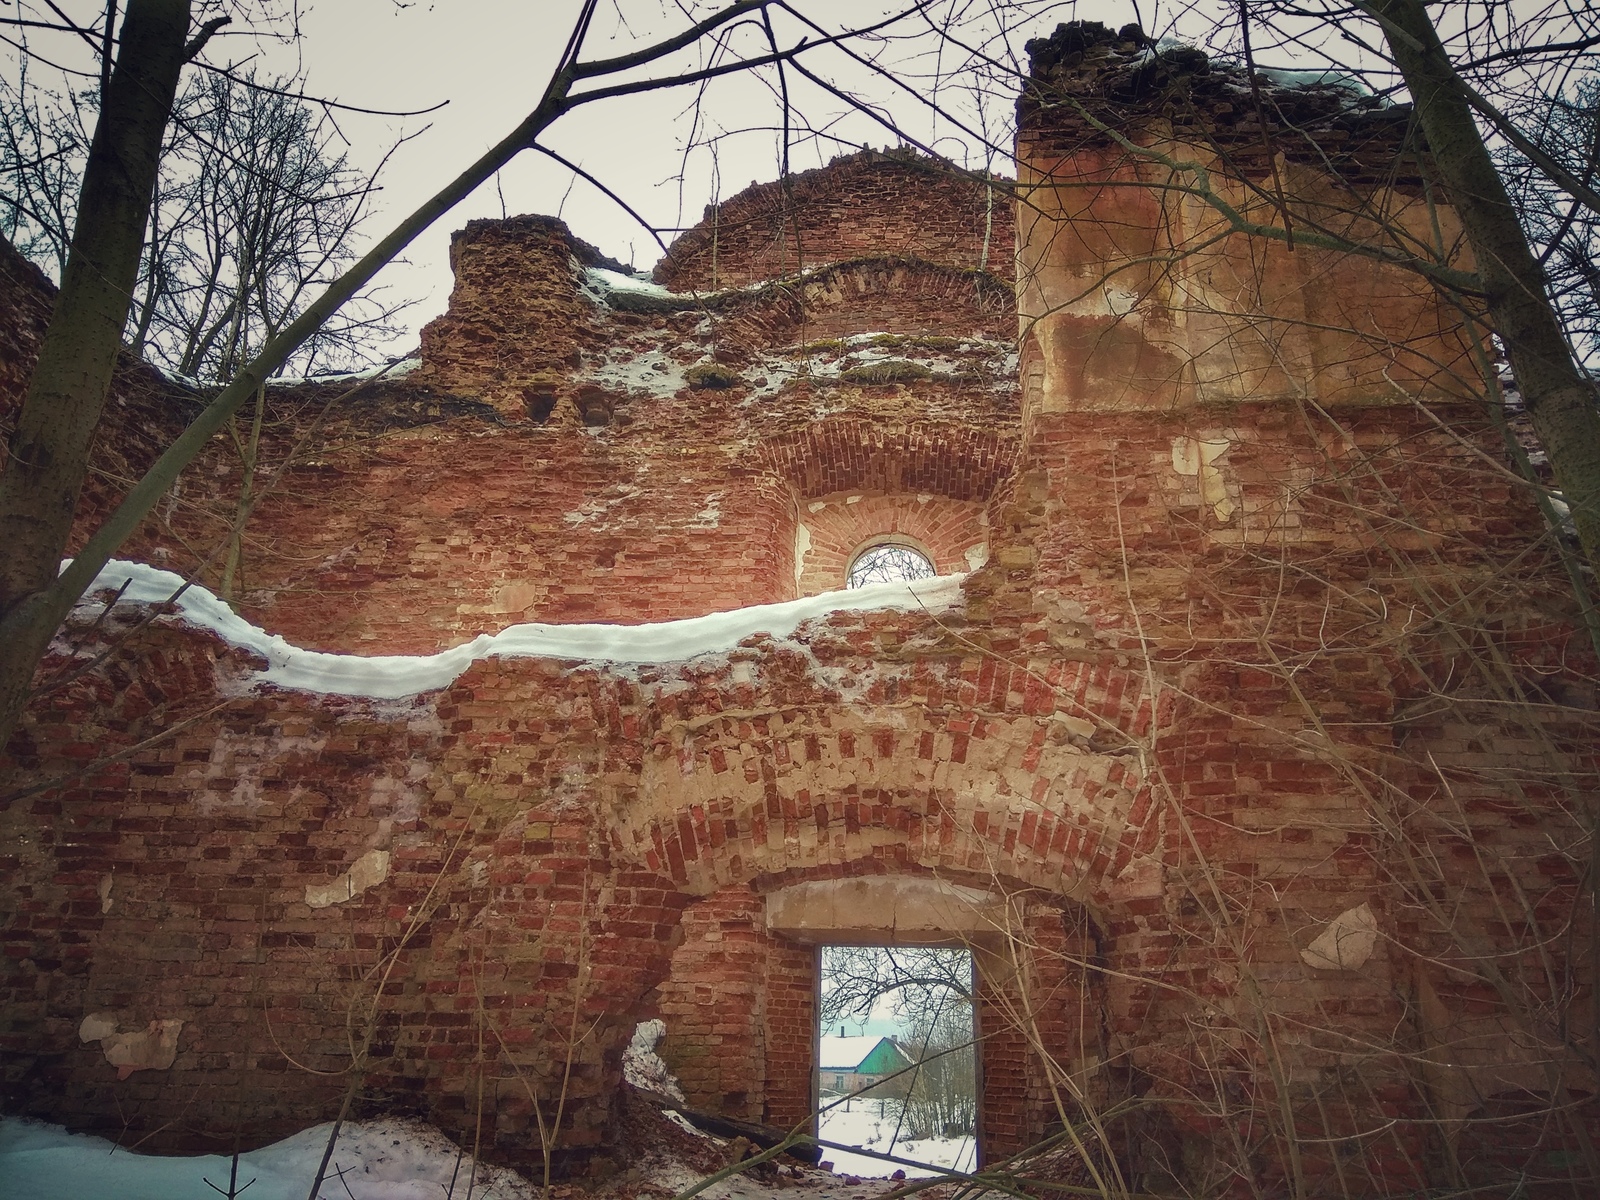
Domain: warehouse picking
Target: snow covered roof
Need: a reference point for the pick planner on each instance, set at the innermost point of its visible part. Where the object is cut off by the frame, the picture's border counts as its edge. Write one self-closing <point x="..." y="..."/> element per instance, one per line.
<point x="846" y="1053"/>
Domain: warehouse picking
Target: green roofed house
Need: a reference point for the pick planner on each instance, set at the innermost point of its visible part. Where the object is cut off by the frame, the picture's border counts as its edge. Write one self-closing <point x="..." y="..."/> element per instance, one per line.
<point x="847" y="1065"/>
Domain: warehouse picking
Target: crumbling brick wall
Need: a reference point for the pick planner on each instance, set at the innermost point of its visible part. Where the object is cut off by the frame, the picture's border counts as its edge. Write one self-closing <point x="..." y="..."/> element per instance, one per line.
<point x="1265" y="640"/>
<point x="863" y="205"/>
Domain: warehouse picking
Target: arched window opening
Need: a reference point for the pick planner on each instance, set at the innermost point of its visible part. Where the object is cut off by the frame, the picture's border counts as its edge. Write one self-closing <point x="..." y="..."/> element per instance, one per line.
<point x="888" y="562"/>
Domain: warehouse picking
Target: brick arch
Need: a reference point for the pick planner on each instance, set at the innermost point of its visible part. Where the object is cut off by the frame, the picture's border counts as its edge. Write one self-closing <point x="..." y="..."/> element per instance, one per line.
<point x="863" y="203"/>
<point x="857" y="454"/>
<point x="954" y="534"/>
<point x="868" y="295"/>
<point x="1019" y="796"/>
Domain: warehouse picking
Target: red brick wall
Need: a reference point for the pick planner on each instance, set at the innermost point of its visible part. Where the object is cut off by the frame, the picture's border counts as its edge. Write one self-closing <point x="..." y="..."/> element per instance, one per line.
<point x="143" y="412"/>
<point x="861" y="206"/>
<point x="940" y="457"/>
<point x="419" y="512"/>
<point x="1215" y="698"/>
<point x="592" y="808"/>
<point x="715" y="1005"/>
<point x="791" y="1034"/>
<point x="1004" y="1068"/>
<point x="906" y="296"/>
<point x="839" y="527"/>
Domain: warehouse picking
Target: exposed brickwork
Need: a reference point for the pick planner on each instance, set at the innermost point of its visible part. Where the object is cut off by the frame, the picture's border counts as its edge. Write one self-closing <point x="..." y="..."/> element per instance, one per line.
<point x="422" y="511"/>
<point x="142" y="414"/>
<point x="1258" y="642"/>
<point x="854" y="455"/>
<point x="715" y="1005"/>
<point x="861" y="205"/>
<point x="953" y="535"/>
<point x="791" y="1034"/>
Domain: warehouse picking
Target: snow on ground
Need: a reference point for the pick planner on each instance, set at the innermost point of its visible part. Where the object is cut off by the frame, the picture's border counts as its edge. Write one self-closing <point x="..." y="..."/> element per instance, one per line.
<point x="392" y="676"/>
<point x="379" y="1160"/>
<point x="869" y="1123"/>
<point x="643" y="1067"/>
<point x="392" y="1159"/>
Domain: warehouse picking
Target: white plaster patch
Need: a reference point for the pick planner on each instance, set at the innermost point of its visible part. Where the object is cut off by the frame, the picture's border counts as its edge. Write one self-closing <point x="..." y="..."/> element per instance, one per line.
<point x="802" y="547"/>
<point x="96" y="1026"/>
<point x="976" y="555"/>
<point x="597" y="510"/>
<point x="153" y="1048"/>
<point x="1346" y="943"/>
<point x="1198" y="457"/>
<point x="1077" y="726"/>
<point x="710" y="516"/>
<point x="514" y="597"/>
<point x="233" y="771"/>
<point x="401" y="799"/>
<point x="371" y="869"/>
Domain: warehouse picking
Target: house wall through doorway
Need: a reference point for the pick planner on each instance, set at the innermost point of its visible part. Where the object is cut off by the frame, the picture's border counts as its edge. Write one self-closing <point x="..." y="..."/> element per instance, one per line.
<point x="741" y="1000"/>
<point x="897" y="1071"/>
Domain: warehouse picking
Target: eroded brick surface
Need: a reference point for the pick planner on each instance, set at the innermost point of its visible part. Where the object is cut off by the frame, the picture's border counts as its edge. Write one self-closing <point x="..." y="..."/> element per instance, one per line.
<point x="1243" y="652"/>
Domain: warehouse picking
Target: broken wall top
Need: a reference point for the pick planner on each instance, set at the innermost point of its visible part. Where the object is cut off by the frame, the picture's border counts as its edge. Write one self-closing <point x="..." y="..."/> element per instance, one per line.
<point x="1191" y="236"/>
<point x="864" y="205"/>
<point x="1087" y="84"/>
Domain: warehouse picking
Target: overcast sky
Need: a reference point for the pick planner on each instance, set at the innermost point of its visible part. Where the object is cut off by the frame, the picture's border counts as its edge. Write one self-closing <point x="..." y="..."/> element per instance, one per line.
<point x="490" y="60"/>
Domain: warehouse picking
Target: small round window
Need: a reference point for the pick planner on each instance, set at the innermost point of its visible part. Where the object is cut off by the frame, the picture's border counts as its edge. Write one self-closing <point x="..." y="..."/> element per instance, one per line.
<point x="888" y="563"/>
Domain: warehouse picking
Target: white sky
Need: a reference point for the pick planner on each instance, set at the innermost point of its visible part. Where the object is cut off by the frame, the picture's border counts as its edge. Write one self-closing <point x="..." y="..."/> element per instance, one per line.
<point x="490" y="60"/>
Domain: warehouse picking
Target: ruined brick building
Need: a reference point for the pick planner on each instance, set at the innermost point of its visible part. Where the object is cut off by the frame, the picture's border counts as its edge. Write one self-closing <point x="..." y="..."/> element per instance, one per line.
<point x="1246" y="735"/>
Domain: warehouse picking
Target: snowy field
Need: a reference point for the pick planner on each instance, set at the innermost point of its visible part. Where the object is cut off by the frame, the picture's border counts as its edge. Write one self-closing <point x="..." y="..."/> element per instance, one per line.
<point x="377" y="1160"/>
<point x="870" y="1124"/>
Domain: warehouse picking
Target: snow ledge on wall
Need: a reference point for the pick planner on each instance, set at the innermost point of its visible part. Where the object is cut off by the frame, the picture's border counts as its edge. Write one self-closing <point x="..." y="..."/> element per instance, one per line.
<point x="395" y="676"/>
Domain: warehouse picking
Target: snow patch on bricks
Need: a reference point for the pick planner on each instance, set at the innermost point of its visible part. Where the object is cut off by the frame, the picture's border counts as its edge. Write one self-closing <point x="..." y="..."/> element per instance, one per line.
<point x="395" y="676"/>
<point x="644" y="1068"/>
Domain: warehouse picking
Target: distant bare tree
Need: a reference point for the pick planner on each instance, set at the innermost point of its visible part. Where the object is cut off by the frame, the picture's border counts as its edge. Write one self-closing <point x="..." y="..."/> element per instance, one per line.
<point x="1565" y="233"/>
<point x="257" y="210"/>
<point x="915" y="980"/>
<point x="42" y="146"/>
<point x="942" y="1097"/>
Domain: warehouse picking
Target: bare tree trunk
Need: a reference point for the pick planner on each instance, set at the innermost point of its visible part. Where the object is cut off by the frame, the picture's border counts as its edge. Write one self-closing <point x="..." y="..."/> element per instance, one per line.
<point x="27" y="625"/>
<point x="249" y="454"/>
<point x="34" y="600"/>
<point x="1560" y="398"/>
<point x="50" y="449"/>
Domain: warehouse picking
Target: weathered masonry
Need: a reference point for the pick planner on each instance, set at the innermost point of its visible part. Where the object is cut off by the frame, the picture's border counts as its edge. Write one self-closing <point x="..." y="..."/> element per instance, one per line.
<point x="1248" y="738"/>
